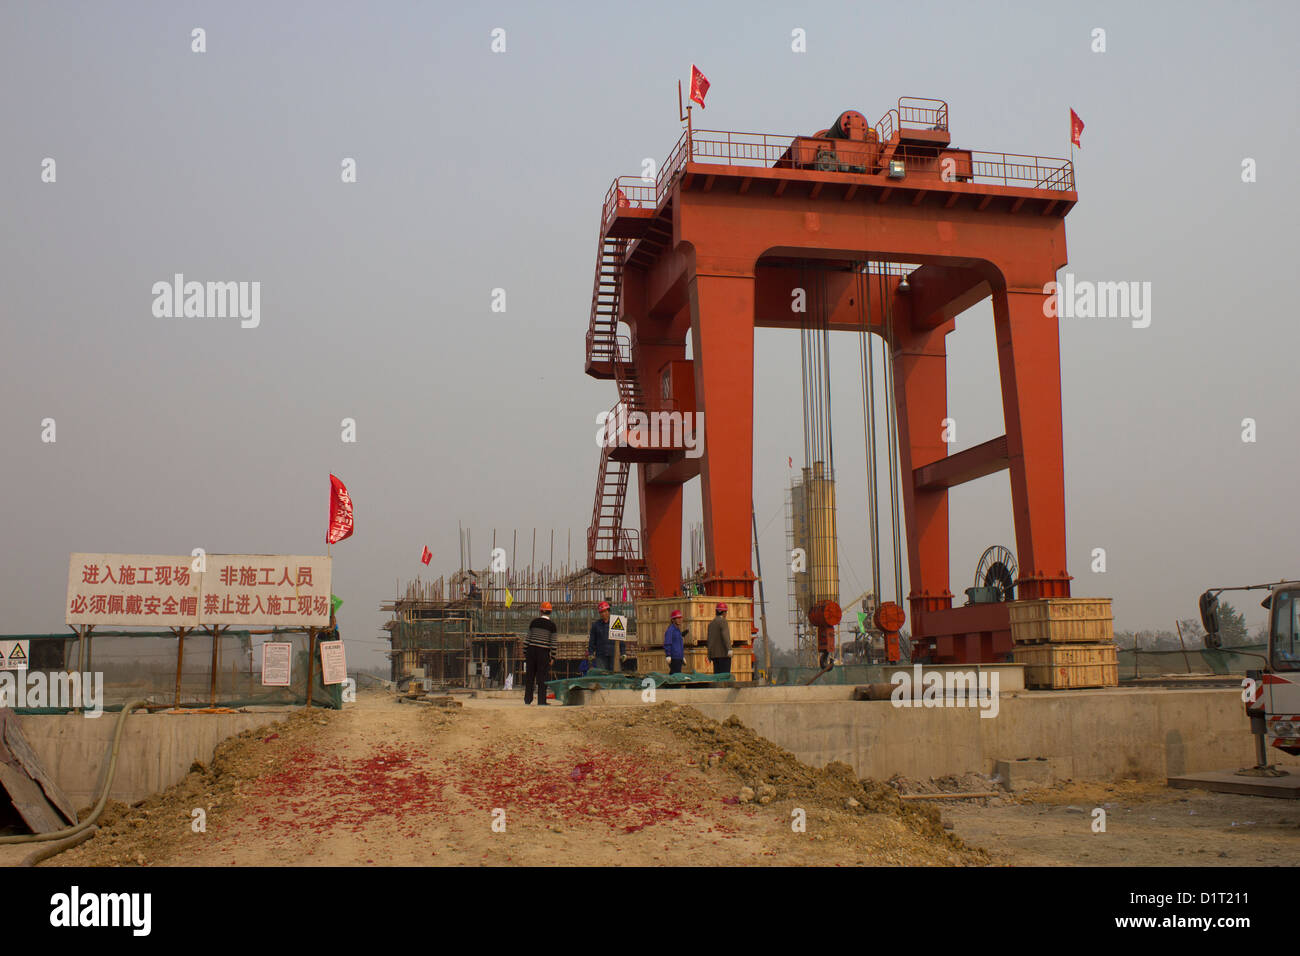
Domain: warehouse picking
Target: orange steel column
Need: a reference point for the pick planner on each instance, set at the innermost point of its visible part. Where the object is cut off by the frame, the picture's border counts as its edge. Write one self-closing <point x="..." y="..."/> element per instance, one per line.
<point x="1029" y="359"/>
<point x="722" y="330"/>
<point x="661" y="502"/>
<point x="661" y="523"/>
<point x="921" y="396"/>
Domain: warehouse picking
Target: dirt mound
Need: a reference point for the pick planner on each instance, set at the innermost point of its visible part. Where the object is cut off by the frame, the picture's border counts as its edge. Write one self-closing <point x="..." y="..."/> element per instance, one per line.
<point x="766" y="773"/>
<point x="133" y="836"/>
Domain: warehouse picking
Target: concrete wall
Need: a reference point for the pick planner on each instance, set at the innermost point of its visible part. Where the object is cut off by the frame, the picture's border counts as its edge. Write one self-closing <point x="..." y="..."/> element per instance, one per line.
<point x="156" y="750"/>
<point x="1148" y="733"/>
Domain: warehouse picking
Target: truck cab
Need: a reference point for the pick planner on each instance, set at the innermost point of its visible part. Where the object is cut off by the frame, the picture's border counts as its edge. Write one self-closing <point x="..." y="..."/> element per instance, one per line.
<point x="1272" y="692"/>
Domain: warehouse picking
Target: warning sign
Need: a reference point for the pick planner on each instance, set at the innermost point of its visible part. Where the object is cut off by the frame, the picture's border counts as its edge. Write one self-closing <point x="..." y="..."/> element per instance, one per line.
<point x="14" y="654"/>
<point x="618" y="628"/>
<point x="333" y="664"/>
<point x="275" y="664"/>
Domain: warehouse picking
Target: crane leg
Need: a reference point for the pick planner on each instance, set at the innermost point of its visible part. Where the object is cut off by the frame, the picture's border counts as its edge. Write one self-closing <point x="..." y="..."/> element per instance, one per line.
<point x="722" y="328"/>
<point x="1030" y="366"/>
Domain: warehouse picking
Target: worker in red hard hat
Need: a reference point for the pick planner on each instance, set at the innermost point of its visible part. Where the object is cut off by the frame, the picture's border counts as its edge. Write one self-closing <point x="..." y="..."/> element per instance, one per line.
<point x="539" y="653"/>
<point x="720" y="640"/>
<point x="600" y="649"/>
<point x="675" y="643"/>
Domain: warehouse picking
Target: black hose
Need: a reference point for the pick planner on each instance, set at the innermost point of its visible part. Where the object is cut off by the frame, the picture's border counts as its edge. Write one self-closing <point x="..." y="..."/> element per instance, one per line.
<point x="54" y="849"/>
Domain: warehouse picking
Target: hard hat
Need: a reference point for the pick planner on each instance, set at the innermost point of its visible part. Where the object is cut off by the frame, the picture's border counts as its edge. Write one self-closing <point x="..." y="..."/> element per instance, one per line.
<point x="720" y="607"/>
<point x="546" y="605"/>
<point x="675" y="614"/>
<point x="604" y="606"/>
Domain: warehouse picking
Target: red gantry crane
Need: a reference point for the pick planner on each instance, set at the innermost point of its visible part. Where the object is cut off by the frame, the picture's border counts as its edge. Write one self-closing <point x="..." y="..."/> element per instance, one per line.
<point x="733" y="225"/>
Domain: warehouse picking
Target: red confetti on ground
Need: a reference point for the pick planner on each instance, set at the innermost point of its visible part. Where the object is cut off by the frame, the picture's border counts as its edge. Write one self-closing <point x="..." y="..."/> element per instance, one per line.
<point x="316" y="792"/>
<point x="626" y="792"/>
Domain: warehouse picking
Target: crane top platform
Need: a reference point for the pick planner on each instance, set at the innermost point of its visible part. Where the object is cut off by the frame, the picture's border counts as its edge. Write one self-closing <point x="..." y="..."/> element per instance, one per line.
<point x="905" y="157"/>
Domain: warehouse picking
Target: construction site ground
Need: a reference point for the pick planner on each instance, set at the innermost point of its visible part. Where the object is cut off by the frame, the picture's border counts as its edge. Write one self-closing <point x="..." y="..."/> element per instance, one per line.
<point x="493" y="782"/>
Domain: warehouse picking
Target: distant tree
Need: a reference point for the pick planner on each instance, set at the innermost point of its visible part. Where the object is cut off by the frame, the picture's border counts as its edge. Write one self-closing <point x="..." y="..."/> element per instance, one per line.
<point x="1193" y="633"/>
<point x="784" y="657"/>
<point x="1232" y="626"/>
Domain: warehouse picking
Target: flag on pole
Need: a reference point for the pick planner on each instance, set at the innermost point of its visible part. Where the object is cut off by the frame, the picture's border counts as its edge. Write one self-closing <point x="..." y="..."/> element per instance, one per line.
<point x="699" y="85"/>
<point x="1076" y="129"/>
<point x="789" y="461"/>
<point x="340" y="512"/>
<point x="510" y="598"/>
<point x="623" y="201"/>
<point x="426" y="556"/>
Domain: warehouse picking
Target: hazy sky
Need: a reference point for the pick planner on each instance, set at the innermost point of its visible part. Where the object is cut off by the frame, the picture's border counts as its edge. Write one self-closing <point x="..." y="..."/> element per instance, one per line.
<point x="479" y="170"/>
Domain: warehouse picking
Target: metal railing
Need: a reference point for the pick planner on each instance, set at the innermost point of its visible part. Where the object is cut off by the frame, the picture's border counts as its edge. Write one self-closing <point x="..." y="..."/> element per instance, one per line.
<point x="731" y="148"/>
<point x="919" y="112"/>
<point x="1015" y="170"/>
<point x="887" y="126"/>
<point x="629" y="192"/>
<point x="607" y="543"/>
<point x="1009" y="169"/>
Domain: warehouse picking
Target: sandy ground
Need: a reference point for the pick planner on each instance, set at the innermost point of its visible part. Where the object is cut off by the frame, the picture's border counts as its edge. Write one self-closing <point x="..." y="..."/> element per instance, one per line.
<point x="497" y="783"/>
<point x="1146" y="825"/>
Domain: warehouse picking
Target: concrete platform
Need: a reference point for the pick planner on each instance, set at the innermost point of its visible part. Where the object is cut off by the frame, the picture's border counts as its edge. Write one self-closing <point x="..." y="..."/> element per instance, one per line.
<point x="1103" y="734"/>
<point x="1226" y="781"/>
<point x="156" y="750"/>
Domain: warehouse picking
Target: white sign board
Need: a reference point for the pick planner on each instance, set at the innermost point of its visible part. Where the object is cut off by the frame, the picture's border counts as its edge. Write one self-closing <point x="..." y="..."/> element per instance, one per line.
<point x="14" y="655"/>
<point x="115" y="590"/>
<point x="617" y="627"/>
<point x="275" y="664"/>
<point x="285" y="590"/>
<point x="133" y="590"/>
<point x="333" y="664"/>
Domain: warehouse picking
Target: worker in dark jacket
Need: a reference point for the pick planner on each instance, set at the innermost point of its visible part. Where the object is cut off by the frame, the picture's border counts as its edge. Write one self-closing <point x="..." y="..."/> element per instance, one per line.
<point x="599" y="647"/>
<point x="720" y="641"/>
<point x="539" y="651"/>
<point x="674" y="643"/>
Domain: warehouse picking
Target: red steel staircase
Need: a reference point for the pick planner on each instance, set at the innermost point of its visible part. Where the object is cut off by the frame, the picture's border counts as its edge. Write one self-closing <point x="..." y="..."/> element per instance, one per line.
<point x="602" y="330"/>
<point x="610" y="548"/>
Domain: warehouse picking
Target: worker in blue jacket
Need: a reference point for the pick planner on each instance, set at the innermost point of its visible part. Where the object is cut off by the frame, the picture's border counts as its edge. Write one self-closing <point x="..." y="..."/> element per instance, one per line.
<point x="674" y="644"/>
<point x="600" y="649"/>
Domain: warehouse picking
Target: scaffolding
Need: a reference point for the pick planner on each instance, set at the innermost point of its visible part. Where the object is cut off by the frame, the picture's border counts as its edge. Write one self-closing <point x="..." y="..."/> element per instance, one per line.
<point x="467" y="629"/>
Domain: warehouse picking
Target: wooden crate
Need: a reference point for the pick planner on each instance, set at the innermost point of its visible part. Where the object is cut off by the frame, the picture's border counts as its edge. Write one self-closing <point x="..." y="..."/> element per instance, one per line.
<point x="653" y="615"/>
<point x="696" y="661"/>
<point x="1063" y="666"/>
<point x="1061" y="620"/>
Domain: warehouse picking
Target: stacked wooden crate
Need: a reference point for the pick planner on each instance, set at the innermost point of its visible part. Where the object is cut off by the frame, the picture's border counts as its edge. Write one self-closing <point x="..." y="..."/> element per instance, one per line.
<point x="1065" y="642"/>
<point x="652" y="619"/>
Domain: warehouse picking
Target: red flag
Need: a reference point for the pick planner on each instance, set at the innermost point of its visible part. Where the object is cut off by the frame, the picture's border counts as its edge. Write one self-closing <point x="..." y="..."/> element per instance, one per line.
<point x="427" y="555"/>
<point x="340" y="512"/>
<point x="1076" y="129"/>
<point x="699" y="85"/>
<point x="789" y="462"/>
<point x="623" y="201"/>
